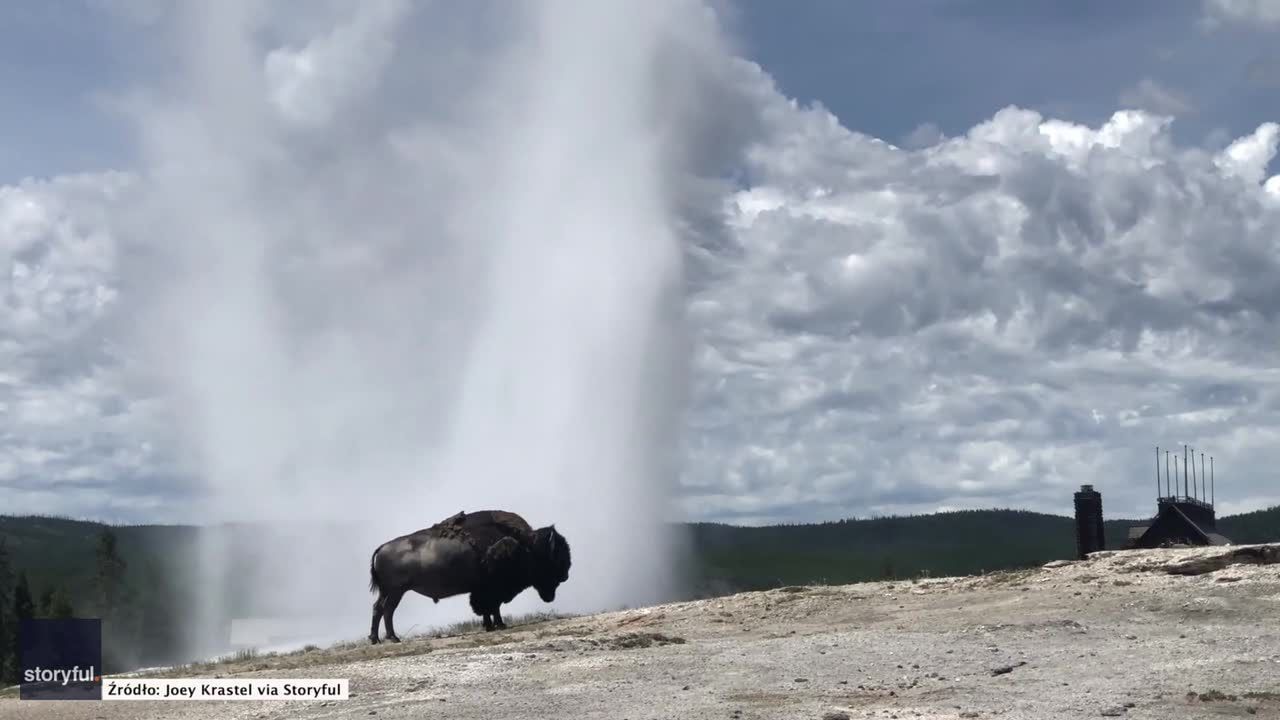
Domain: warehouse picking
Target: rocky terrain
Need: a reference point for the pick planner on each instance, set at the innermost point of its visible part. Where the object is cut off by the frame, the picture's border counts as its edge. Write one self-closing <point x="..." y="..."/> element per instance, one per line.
<point x="1180" y="633"/>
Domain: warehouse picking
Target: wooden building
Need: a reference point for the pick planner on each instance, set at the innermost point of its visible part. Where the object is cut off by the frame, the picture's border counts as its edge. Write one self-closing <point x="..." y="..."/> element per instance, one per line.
<point x="1184" y="506"/>
<point x="1179" y="521"/>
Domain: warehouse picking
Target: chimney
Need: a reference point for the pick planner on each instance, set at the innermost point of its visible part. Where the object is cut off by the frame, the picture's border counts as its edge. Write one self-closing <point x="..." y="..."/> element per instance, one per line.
<point x="1089" y="532"/>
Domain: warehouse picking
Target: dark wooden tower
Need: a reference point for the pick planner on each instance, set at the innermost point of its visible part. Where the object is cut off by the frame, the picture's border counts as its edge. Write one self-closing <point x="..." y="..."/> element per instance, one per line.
<point x="1089" y="532"/>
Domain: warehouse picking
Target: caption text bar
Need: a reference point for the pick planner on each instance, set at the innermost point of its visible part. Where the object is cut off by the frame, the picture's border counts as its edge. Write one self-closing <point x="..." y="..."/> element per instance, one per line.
<point x="223" y="689"/>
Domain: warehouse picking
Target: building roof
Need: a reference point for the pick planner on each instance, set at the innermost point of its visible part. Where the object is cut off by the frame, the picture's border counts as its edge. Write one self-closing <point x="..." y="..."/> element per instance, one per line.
<point x="1190" y="524"/>
<point x="1168" y="515"/>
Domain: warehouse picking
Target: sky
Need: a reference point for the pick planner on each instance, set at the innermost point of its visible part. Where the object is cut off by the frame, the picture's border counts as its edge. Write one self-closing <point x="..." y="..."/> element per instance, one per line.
<point x="939" y="255"/>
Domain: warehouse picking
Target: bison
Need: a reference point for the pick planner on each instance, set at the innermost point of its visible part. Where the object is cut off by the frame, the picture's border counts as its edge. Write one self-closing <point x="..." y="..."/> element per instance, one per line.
<point x="492" y="554"/>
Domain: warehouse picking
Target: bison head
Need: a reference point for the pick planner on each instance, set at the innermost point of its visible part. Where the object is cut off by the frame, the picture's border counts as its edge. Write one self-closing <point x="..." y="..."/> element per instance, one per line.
<point x="551" y="552"/>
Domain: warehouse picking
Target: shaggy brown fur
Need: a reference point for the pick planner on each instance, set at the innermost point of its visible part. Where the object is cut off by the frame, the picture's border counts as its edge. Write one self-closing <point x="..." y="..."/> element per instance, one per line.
<point x="481" y="528"/>
<point x="506" y="542"/>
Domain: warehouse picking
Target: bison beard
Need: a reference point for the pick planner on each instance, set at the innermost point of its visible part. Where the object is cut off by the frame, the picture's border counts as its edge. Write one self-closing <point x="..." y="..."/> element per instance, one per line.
<point x="492" y="554"/>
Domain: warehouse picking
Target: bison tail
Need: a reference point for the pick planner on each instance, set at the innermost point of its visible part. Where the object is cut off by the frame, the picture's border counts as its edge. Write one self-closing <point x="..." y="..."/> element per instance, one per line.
<point x="373" y="574"/>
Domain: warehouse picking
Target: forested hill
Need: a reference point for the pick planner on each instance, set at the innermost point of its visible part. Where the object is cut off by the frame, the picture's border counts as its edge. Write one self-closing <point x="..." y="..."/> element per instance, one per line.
<point x="57" y="552"/>
<point x="729" y="557"/>
<point x="134" y="575"/>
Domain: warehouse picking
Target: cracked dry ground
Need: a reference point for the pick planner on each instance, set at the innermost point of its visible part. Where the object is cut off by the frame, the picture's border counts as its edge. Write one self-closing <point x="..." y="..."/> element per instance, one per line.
<point x="1118" y="635"/>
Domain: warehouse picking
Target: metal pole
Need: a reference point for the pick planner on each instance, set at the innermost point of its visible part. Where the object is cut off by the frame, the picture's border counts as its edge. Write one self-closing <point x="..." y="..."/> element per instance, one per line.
<point x="1195" y="485"/>
<point x="1185" y="488"/>
<point x="1166" y="473"/>
<point x="1202" y="473"/>
<point x="1193" y="473"/>
<point x="1212" y="487"/>
<point x="1157" y="472"/>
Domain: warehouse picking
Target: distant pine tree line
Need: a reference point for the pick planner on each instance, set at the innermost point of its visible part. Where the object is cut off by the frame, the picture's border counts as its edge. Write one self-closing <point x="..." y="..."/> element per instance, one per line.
<point x="134" y="622"/>
<point x="139" y="581"/>
<point x="729" y="558"/>
<point x="17" y="604"/>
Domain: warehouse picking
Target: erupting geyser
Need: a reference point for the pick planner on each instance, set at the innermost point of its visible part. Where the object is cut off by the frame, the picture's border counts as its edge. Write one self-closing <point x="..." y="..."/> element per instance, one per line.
<point x="386" y="279"/>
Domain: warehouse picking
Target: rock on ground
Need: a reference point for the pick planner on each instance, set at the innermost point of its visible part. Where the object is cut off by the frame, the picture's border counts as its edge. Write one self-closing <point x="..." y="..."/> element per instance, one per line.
<point x="1184" y="633"/>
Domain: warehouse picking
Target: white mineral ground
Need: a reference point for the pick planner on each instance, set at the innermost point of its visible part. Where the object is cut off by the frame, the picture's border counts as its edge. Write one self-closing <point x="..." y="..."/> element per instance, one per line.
<point x="1118" y="635"/>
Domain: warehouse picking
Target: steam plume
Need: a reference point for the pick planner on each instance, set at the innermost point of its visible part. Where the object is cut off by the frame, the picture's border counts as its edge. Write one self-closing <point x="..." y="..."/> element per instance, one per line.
<point x="397" y="261"/>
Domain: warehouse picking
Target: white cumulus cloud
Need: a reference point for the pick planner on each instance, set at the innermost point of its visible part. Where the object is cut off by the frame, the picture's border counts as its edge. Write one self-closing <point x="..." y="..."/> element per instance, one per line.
<point x="988" y="319"/>
<point x="75" y="439"/>
<point x="1249" y="156"/>
<point x="1255" y="12"/>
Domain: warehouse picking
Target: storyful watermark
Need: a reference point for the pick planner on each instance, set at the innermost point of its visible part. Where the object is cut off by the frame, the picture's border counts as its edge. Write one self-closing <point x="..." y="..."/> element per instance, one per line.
<point x="60" y="659"/>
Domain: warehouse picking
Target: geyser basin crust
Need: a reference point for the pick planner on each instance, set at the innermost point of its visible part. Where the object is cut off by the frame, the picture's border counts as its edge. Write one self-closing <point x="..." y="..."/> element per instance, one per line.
<point x="1024" y="644"/>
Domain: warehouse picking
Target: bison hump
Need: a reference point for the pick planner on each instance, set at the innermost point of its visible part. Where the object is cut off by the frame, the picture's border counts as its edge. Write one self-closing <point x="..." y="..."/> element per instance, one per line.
<point x="513" y="523"/>
<point x="499" y="523"/>
<point x="453" y="528"/>
<point x="481" y="529"/>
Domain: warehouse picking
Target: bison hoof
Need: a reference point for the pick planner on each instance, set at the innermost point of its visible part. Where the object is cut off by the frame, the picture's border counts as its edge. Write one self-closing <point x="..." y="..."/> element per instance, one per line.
<point x="373" y="640"/>
<point x="393" y="638"/>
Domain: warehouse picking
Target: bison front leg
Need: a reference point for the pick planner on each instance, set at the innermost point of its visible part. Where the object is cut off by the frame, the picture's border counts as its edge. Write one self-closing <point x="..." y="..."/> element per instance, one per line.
<point x="492" y="619"/>
<point x="481" y="606"/>
<point x="388" y="610"/>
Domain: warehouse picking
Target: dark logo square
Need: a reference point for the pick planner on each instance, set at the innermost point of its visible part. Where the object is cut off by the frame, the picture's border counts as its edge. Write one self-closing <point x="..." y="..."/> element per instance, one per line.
<point x="60" y="659"/>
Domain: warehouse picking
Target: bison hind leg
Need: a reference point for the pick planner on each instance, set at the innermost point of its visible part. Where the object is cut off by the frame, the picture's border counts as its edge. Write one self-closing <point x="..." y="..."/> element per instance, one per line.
<point x="389" y="610"/>
<point x="378" y="606"/>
